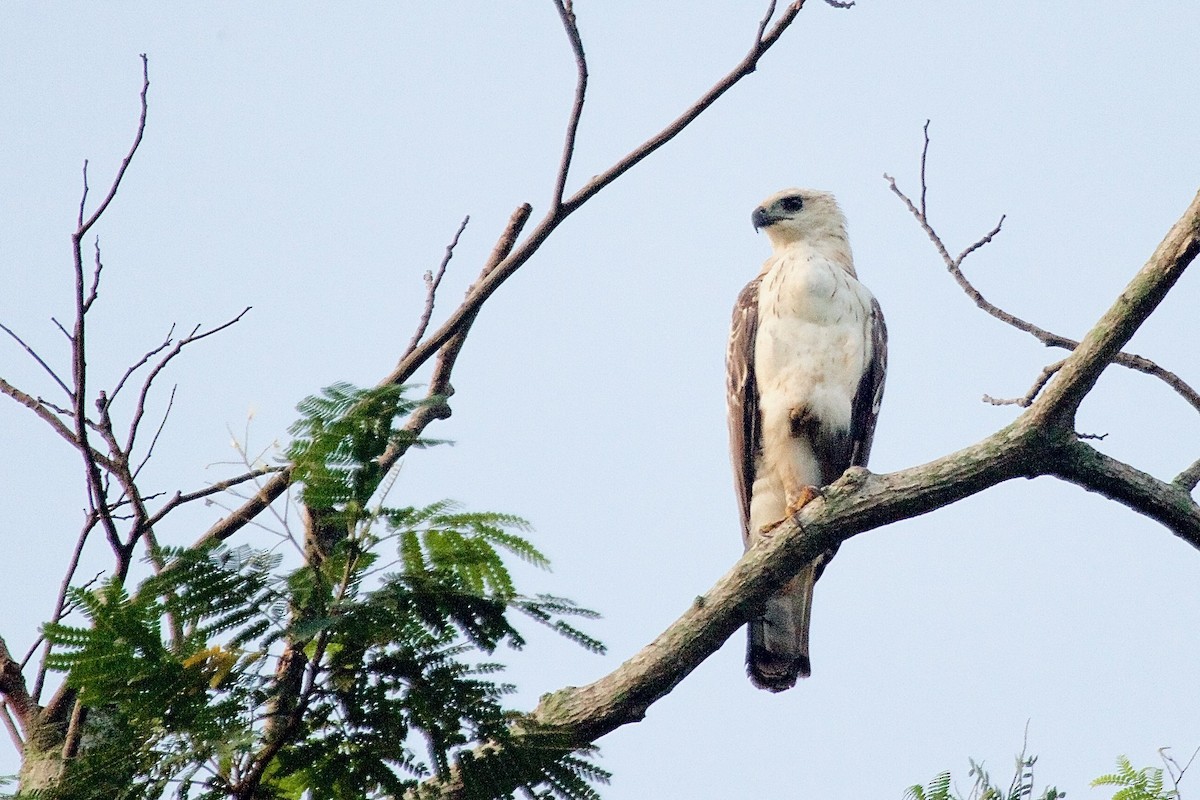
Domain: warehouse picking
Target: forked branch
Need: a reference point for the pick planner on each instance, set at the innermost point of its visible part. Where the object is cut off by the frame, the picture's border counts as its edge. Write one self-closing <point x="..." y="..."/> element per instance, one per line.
<point x="514" y="254"/>
<point x="1049" y="339"/>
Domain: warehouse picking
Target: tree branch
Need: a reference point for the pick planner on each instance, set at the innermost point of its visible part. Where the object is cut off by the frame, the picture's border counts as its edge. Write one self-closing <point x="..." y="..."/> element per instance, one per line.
<point x="85" y="225"/>
<point x="432" y="281"/>
<point x="1104" y="341"/>
<point x="1049" y="339"/>
<point x="566" y="13"/>
<point x="1041" y="441"/>
<point x="516" y="255"/>
<point x="16" y="696"/>
<point x="1169" y="503"/>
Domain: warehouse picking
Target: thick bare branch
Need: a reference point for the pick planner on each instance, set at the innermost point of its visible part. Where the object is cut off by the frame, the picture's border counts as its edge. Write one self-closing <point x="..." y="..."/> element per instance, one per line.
<point x="14" y="692"/>
<point x="1112" y="331"/>
<point x="1189" y="477"/>
<point x="1168" y="503"/>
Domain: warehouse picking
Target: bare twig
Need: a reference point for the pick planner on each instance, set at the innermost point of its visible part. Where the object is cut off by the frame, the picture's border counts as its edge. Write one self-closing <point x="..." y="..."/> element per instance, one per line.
<point x="519" y="253"/>
<point x="1024" y="402"/>
<point x="216" y="488"/>
<point x="141" y="362"/>
<point x="158" y="432"/>
<point x="61" y="329"/>
<point x="566" y="14"/>
<point x="924" y="161"/>
<point x="64" y="586"/>
<point x="1047" y="338"/>
<point x="85" y="225"/>
<point x="432" y="281"/>
<point x="765" y="21"/>
<point x="95" y="288"/>
<point x="194" y="336"/>
<point x="36" y="358"/>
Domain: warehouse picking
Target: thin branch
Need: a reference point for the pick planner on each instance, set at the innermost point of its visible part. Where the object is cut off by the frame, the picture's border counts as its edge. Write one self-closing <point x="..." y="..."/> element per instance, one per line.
<point x="1102" y="344"/>
<point x="92" y="292"/>
<point x="60" y="604"/>
<point x="36" y="358"/>
<point x="157" y="433"/>
<point x="518" y="255"/>
<point x="1024" y="402"/>
<point x="765" y="21"/>
<point x="924" y="162"/>
<point x="1047" y="338"/>
<point x="61" y="329"/>
<point x="194" y="336"/>
<point x="43" y="410"/>
<point x="745" y="67"/>
<point x="84" y="226"/>
<point x="141" y="362"/>
<point x="11" y="725"/>
<point x="566" y="14"/>
<point x="216" y="488"/>
<point x="432" y="281"/>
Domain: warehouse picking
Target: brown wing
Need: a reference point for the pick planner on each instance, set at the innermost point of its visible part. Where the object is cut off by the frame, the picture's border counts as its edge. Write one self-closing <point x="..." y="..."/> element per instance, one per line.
<point x="869" y="396"/>
<point x="745" y="436"/>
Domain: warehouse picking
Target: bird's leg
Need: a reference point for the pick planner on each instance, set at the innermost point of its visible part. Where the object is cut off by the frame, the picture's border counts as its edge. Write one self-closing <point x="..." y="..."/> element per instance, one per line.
<point x="797" y="491"/>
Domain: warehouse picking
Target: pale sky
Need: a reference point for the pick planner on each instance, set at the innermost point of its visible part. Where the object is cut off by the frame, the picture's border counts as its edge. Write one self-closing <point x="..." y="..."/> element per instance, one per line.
<point x="312" y="161"/>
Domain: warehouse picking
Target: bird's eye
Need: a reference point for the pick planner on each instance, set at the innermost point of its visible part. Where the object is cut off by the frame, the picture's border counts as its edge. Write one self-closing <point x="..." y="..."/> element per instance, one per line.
<point x="791" y="204"/>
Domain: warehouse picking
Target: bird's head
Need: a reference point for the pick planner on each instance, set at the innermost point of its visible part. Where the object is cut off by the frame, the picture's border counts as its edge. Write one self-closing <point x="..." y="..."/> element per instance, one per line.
<point x="800" y="215"/>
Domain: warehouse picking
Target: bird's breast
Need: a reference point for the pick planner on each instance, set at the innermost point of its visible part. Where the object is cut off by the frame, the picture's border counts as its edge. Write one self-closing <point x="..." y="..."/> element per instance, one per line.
<point x="813" y="340"/>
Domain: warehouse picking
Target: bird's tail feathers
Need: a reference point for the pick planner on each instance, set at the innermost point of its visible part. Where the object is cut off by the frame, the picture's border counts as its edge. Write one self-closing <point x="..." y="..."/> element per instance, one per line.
<point x="777" y="651"/>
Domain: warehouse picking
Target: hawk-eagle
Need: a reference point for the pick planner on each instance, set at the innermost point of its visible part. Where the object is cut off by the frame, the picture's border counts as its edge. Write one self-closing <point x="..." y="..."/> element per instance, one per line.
<point x="805" y="369"/>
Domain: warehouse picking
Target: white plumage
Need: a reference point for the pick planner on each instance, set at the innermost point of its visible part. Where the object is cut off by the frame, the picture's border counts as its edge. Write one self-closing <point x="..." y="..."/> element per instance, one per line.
<point x="806" y="364"/>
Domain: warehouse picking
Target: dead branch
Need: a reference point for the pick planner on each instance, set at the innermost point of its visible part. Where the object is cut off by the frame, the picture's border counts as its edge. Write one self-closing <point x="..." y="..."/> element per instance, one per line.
<point x="85" y="225"/>
<point x="516" y="255"/>
<point x="432" y="281"/>
<point x="566" y="13"/>
<point x="1024" y="402"/>
<point x="195" y="336"/>
<point x="1049" y="339"/>
<point x="34" y="355"/>
<point x="216" y="488"/>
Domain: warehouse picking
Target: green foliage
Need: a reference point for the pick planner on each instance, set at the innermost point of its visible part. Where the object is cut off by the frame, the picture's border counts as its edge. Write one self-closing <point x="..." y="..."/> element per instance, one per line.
<point x="1142" y="784"/>
<point x="937" y="789"/>
<point x="1021" y="787"/>
<point x="338" y="438"/>
<point x="189" y="692"/>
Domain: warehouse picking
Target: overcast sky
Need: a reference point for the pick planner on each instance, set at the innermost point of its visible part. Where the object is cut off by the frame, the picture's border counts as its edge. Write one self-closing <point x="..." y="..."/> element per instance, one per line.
<point x="312" y="161"/>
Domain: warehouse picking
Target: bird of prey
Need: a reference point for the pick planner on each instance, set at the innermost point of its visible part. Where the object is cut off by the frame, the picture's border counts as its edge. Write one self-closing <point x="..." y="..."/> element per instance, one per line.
<point x="805" y="371"/>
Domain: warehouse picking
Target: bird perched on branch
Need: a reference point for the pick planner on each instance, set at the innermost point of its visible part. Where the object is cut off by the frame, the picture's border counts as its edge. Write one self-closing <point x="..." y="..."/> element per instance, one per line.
<point x="805" y="372"/>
